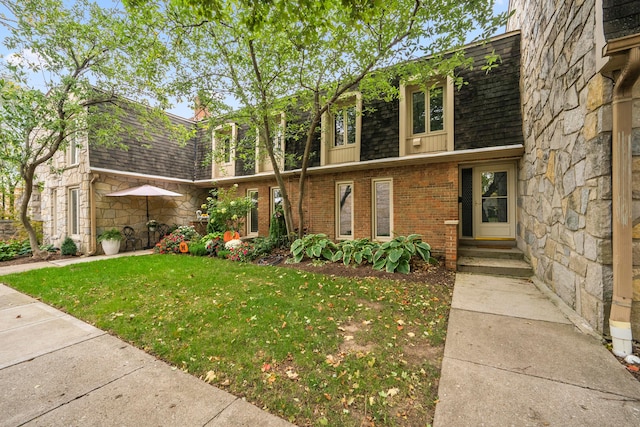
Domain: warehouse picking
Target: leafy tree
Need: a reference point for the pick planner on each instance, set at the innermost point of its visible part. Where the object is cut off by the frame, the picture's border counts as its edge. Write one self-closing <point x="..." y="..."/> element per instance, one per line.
<point x="71" y="51"/>
<point x="278" y="54"/>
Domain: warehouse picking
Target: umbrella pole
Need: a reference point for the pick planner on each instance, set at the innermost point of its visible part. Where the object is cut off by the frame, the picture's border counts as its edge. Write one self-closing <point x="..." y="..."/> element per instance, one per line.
<point x="148" y="231"/>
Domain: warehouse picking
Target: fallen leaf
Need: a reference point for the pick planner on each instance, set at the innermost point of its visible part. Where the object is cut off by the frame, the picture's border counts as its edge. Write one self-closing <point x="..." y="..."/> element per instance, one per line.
<point x="291" y="374"/>
<point x="633" y="368"/>
<point x="392" y="392"/>
<point x="210" y="377"/>
<point x="266" y="367"/>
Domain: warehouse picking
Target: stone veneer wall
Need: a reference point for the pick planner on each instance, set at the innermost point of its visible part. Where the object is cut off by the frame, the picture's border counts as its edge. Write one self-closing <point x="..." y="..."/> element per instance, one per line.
<point x="564" y="189"/>
<point x="111" y="212"/>
<point x="116" y="212"/>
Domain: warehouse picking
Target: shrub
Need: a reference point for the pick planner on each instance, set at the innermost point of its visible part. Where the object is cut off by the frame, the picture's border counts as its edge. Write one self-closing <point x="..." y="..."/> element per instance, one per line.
<point x="68" y="247"/>
<point x="223" y="254"/>
<point x="396" y="254"/>
<point x="357" y="251"/>
<point x="278" y="229"/>
<point x="241" y="253"/>
<point x="9" y="250"/>
<point x="262" y="246"/>
<point x="213" y="242"/>
<point x="313" y="246"/>
<point x="197" y="249"/>
<point x="226" y="210"/>
<point x="171" y="242"/>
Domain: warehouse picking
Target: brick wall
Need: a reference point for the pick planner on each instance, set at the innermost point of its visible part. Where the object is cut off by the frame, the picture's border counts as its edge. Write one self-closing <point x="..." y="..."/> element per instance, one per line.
<point x="424" y="197"/>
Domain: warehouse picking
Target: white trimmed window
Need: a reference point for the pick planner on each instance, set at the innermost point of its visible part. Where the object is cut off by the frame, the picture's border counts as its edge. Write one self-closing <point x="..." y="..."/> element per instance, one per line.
<point x="276" y="200"/>
<point x="344" y="210"/>
<point x="426" y="117"/>
<point x="341" y="129"/>
<point x="252" y="216"/>
<point x="382" y="201"/>
<point x="74" y="152"/>
<point x="74" y="211"/>
<point x="224" y="141"/>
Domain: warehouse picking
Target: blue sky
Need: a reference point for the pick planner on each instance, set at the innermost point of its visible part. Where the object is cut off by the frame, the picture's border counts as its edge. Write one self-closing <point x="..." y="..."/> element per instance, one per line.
<point x="182" y="109"/>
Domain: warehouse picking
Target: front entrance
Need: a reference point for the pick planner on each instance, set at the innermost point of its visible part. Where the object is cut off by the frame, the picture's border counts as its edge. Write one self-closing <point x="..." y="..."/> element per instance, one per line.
<point x="488" y="201"/>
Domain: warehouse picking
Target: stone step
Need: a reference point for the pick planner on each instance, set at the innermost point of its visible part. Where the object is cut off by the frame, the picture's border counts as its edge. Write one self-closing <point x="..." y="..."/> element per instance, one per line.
<point x="494" y="266"/>
<point x="487" y="252"/>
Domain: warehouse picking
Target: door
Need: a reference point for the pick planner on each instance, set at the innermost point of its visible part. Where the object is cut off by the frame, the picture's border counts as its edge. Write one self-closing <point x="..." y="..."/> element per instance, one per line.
<point x="494" y="201"/>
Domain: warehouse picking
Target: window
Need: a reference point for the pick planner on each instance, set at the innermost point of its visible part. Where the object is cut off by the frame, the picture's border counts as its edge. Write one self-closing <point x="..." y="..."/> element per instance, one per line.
<point x="344" y="210"/>
<point x="276" y="200"/>
<point x="224" y="138"/>
<point x="426" y="117"/>
<point x="427" y="111"/>
<point x="252" y="217"/>
<point x="74" y="211"/>
<point x="73" y="152"/>
<point x="341" y="129"/>
<point x="344" y="125"/>
<point x="54" y="211"/>
<point x="382" y="208"/>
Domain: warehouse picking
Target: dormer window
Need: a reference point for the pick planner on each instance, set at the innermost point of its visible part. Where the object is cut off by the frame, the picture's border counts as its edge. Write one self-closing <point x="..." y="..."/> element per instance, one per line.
<point x="426" y="117"/>
<point x="263" y="163"/>
<point x="341" y="128"/>
<point x="224" y="140"/>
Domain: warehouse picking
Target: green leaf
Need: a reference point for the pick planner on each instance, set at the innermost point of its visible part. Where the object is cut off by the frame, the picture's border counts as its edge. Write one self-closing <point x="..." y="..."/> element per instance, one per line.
<point x="391" y="266"/>
<point x="379" y="264"/>
<point x="395" y="254"/>
<point x="403" y="267"/>
<point x="337" y="256"/>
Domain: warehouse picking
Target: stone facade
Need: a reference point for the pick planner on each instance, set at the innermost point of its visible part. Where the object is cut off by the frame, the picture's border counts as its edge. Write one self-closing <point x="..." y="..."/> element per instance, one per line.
<point x="564" y="190"/>
<point x="110" y="212"/>
<point x="8" y="229"/>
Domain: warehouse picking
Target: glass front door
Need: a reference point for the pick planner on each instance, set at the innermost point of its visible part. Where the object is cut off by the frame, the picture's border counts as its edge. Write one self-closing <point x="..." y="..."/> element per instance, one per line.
<point x="494" y="201"/>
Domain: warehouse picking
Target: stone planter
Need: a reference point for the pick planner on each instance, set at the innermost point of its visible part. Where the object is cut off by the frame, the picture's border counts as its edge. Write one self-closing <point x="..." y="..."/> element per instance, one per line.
<point x="111" y="247"/>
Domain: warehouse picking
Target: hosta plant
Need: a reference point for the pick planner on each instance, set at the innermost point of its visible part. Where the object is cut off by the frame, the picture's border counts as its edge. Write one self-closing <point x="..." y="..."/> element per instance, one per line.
<point x="395" y="255"/>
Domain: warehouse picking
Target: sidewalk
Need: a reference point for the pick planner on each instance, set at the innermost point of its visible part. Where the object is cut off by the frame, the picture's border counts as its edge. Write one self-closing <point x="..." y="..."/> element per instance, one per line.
<point x="512" y="358"/>
<point x="56" y="370"/>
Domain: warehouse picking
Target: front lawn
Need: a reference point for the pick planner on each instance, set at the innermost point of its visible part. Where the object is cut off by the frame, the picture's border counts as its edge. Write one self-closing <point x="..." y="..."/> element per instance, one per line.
<point x="313" y="349"/>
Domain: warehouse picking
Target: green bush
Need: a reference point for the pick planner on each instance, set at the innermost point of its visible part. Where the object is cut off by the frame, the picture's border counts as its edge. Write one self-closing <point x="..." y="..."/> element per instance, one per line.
<point x="396" y="254"/>
<point x="110" y="234"/>
<point x="313" y="246"/>
<point x="197" y="249"/>
<point x="223" y="254"/>
<point x="357" y="251"/>
<point x="9" y="250"/>
<point x="68" y="247"/>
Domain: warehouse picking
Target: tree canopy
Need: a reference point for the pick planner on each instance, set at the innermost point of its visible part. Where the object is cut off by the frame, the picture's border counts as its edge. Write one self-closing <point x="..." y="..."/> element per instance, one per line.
<point x="85" y="58"/>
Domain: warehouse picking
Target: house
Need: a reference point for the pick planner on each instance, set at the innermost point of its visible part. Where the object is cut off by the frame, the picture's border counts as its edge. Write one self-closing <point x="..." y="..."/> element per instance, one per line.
<point x="542" y="152"/>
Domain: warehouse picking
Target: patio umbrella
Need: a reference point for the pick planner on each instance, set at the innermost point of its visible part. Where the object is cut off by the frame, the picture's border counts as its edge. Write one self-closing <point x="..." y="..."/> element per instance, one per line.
<point x="146" y="191"/>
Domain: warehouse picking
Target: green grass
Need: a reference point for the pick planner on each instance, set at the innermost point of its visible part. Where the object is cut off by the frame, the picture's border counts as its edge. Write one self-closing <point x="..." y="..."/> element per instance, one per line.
<point x="313" y="349"/>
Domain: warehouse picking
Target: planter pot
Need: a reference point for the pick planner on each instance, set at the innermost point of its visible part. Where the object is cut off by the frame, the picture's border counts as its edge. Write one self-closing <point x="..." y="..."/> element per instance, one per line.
<point x="111" y="247"/>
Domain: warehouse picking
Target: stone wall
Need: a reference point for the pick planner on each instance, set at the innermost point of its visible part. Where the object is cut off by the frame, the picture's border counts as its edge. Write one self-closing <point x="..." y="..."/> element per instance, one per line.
<point x="8" y="229"/>
<point x="116" y="212"/>
<point x="564" y="190"/>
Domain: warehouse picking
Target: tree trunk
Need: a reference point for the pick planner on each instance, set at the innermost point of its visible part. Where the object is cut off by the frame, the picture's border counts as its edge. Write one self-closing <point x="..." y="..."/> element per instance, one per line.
<point x="27" y="176"/>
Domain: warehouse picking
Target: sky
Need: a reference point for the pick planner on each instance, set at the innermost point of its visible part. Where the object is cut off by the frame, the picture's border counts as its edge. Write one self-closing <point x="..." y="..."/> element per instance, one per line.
<point x="182" y="109"/>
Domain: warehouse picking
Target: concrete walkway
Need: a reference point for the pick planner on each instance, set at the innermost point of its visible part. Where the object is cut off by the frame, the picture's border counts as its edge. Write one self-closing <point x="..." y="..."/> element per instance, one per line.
<point x="513" y="358"/>
<point x="58" y="371"/>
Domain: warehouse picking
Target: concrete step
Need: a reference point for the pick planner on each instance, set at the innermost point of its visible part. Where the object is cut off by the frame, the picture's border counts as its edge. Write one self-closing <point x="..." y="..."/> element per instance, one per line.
<point x="488" y="252"/>
<point x="501" y="267"/>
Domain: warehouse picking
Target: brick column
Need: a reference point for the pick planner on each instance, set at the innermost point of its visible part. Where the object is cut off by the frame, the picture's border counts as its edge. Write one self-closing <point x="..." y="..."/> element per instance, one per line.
<point x="451" y="244"/>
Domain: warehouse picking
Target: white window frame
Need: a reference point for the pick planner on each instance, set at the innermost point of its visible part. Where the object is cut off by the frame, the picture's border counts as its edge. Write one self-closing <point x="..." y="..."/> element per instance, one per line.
<point x="54" y="211"/>
<point x="328" y="126"/>
<point x="374" y="209"/>
<point x="406" y="111"/>
<point x="250" y="214"/>
<point x="338" y="210"/>
<point x="73" y="213"/>
<point x="225" y="168"/>
<point x="273" y="199"/>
